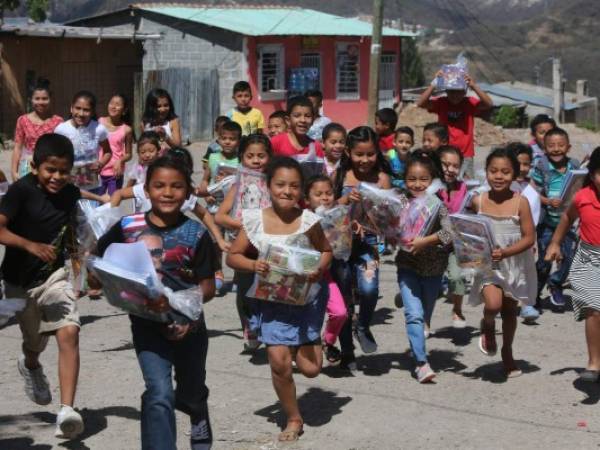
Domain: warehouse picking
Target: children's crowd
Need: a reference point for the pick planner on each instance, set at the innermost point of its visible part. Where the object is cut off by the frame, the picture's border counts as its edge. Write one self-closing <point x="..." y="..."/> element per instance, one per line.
<point x="56" y="163"/>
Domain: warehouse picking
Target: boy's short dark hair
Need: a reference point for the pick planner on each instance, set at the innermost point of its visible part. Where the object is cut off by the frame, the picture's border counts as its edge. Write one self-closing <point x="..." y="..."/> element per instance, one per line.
<point x="279" y="114"/>
<point x="232" y="127"/>
<point x="299" y="100"/>
<point x="53" y="144"/>
<point x="540" y="119"/>
<point x="439" y="129"/>
<point x="556" y="131"/>
<point x="387" y="116"/>
<point x="405" y="130"/>
<point x="314" y="93"/>
<point x="220" y="120"/>
<point x="333" y="127"/>
<point x="518" y="148"/>
<point x="241" y="86"/>
<point x="316" y="179"/>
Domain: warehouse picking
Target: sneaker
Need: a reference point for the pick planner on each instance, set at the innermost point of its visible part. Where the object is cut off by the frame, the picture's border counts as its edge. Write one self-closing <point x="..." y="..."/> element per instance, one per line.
<point x="37" y="387"/>
<point x="590" y="376"/>
<point x="332" y="354"/>
<point x="529" y="314"/>
<point x="458" y="321"/>
<point x="69" y="423"/>
<point x="201" y="435"/>
<point x="557" y="298"/>
<point x="348" y="362"/>
<point x="487" y="344"/>
<point x="424" y="373"/>
<point x="365" y="339"/>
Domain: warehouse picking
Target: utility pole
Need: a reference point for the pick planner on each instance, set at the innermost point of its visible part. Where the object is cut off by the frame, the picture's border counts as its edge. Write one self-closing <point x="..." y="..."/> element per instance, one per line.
<point x="375" y="60"/>
<point x="557" y="89"/>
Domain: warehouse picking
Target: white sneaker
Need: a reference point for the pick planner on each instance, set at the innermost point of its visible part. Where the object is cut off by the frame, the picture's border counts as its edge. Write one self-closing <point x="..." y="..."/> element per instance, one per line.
<point x="69" y="423"/>
<point x="37" y="387"/>
<point x="424" y="373"/>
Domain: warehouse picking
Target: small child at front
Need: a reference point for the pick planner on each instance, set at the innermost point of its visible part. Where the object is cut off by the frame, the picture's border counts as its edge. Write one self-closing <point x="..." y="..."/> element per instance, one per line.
<point x="524" y="155"/>
<point x="319" y="193"/>
<point x="512" y="280"/>
<point x="404" y="139"/>
<point x="290" y="332"/>
<point x="585" y="270"/>
<point x="457" y="111"/>
<point x="277" y="123"/>
<point x="296" y="141"/>
<point x="214" y="146"/>
<point x="435" y="135"/>
<point x="548" y="176"/>
<point x="120" y="139"/>
<point x="186" y="260"/>
<point x="35" y="226"/>
<point x="250" y="119"/>
<point x="453" y="195"/>
<point x="334" y="144"/>
<point x="540" y="125"/>
<point x="159" y="116"/>
<point x="420" y="269"/>
<point x="148" y="148"/>
<point x="320" y="122"/>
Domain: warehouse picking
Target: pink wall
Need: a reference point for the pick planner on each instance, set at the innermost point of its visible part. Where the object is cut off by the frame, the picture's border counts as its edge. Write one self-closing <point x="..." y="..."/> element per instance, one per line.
<point x="349" y="113"/>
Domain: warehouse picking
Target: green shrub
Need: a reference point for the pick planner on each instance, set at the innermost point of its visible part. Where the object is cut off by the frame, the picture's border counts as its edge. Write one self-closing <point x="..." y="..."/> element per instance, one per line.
<point x="508" y="117"/>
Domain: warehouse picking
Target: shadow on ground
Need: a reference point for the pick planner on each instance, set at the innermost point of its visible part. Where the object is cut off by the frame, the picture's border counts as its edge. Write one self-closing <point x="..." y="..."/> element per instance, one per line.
<point x="381" y="316"/>
<point x="494" y="372"/>
<point x="317" y="407"/>
<point x="94" y="419"/>
<point x="460" y="337"/>
<point x="86" y="320"/>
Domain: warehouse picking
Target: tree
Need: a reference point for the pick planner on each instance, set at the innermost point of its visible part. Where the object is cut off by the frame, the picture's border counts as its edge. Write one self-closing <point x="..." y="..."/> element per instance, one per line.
<point x="9" y="5"/>
<point x="36" y="10"/>
<point x="412" y="66"/>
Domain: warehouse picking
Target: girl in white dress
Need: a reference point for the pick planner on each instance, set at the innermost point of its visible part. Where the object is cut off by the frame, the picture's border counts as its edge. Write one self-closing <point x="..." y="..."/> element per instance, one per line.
<point x="513" y="277"/>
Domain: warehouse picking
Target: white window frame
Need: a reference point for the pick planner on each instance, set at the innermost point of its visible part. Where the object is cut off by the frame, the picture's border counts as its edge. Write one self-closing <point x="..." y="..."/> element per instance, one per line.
<point x="320" y="56"/>
<point x="341" y="47"/>
<point x="280" y="92"/>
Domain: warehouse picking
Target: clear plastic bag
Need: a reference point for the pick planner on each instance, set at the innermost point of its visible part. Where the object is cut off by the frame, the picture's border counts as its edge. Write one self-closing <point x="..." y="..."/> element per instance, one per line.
<point x="9" y="307"/>
<point x="417" y="219"/>
<point x="473" y="241"/>
<point x="220" y="189"/>
<point x="187" y="302"/>
<point x="337" y="226"/>
<point x="453" y="75"/>
<point x="251" y="192"/>
<point x="310" y="163"/>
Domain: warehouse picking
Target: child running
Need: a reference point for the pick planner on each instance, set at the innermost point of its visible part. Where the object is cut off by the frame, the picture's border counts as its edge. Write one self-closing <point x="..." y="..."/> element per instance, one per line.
<point x="434" y="136"/>
<point x="290" y="332"/>
<point x="37" y="228"/>
<point x="585" y="270"/>
<point x="296" y="140"/>
<point x="159" y="116"/>
<point x="334" y="144"/>
<point x="148" y="148"/>
<point x="540" y="125"/>
<point x="186" y="259"/>
<point x="120" y="139"/>
<point x="319" y="193"/>
<point x="404" y="139"/>
<point x="421" y="267"/>
<point x="88" y="137"/>
<point x="513" y="278"/>
<point x="277" y="123"/>
<point x="250" y="119"/>
<point x="361" y="162"/>
<point x="255" y="152"/>
<point x="453" y="195"/>
<point x="31" y="126"/>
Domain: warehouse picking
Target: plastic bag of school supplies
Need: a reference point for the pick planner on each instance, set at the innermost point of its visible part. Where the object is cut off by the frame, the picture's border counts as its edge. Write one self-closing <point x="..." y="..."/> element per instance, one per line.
<point x="286" y="281"/>
<point x="225" y="170"/>
<point x="417" y="219"/>
<point x="571" y="184"/>
<point x="473" y="241"/>
<point x="220" y="189"/>
<point x="9" y="307"/>
<point x="453" y="75"/>
<point x="337" y="226"/>
<point x="310" y="163"/>
<point x="84" y="177"/>
<point x="251" y="192"/>
<point x="379" y="210"/>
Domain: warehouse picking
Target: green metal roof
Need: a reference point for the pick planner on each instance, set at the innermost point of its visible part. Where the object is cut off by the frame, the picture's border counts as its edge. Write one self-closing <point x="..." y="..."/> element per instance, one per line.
<point x="272" y="21"/>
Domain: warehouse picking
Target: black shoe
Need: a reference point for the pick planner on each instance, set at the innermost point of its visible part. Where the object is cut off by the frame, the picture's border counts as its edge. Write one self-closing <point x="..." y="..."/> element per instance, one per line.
<point x="201" y="435"/>
<point x="348" y="362"/>
<point x="365" y="339"/>
<point x="332" y="354"/>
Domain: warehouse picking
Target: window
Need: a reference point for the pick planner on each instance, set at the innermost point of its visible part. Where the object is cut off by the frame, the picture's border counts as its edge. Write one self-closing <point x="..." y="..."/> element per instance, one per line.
<point x="347" y="76"/>
<point x="313" y="61"/>
<point x="271" y="71"/>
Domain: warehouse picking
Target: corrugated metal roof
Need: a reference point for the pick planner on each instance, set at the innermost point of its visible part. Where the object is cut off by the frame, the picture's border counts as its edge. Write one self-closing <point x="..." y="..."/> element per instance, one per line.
<point x="525" y="96"/>
<point x="271" y="21"/>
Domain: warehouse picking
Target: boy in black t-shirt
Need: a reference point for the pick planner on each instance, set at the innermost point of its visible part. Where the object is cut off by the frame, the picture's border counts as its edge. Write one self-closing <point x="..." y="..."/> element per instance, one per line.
<point x="35" y="227"/>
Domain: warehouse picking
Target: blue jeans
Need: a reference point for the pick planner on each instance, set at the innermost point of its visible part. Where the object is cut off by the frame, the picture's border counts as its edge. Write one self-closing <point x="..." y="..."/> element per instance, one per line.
<point x="157" y="357"/>
<point x="361" y="272"/>
<point x="567" y="248"/>
<point x="419" y="294"/>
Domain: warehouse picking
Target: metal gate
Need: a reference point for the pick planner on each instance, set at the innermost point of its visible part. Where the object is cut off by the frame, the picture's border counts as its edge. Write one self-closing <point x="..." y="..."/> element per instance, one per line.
<point x="387" y="80"/>
<point x="195" y="94"/>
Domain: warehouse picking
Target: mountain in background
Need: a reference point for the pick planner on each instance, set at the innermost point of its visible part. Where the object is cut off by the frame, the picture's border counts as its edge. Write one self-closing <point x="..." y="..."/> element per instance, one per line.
<point x="503" y="39"/>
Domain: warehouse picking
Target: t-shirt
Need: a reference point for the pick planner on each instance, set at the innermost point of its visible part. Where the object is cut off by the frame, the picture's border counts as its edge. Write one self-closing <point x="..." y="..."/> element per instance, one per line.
<point x="213" y="147"/>
<point x="460" y="120"/>
<point x="282" y="146"/>
<point x="116" y="141"/>
<point x="316" y="130"/>
<point x="38" y="216"/>
<point x="398" y="167"/>
<point x="386" y="142"/>
<point x="186" y="250"/>
<point x="27" y="133"/>
<point x="535" y="203"/>
<point x="587" y="204"/>
<point x="455" y="200"/>
<point x="143" y="204"/>
<point x="86" y="140"/>
<point x="250" y="121"/>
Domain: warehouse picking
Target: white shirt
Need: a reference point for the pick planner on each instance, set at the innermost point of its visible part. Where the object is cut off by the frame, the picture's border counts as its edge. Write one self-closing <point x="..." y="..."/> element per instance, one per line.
<point x="535" y="203"/>
<point x="142" y="203"/>
<point x="86" y="140"/>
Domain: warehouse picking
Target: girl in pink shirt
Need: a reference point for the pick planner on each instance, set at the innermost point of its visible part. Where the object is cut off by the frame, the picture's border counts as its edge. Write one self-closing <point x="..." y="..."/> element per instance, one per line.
<point x="120" y="139"/>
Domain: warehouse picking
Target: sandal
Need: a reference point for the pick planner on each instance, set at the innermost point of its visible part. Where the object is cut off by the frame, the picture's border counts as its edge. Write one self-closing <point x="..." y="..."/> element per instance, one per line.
<point x="487" y="340"/>
<point x="293" y="434"/>
<point x="332" y="354"/>
<point x="511" y="370"/>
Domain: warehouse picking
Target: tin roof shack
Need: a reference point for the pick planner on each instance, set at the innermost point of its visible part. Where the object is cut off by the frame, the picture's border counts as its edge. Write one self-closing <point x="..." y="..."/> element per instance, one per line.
<point x="279" y="50"/>
<point x="72" y="58"/>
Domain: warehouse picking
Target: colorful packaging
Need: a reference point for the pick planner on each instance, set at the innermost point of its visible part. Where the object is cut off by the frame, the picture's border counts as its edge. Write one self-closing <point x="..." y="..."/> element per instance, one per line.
<point x="453" y="75"/>
<point x="474" y="241"/>
<point x="251" y="192"/>
<point x="417" y="219"/>
<point x="337" y="226"/>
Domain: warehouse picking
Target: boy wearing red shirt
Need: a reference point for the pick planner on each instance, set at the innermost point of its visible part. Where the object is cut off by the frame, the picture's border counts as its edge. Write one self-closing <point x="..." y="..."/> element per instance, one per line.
<point x="458" y="111"/>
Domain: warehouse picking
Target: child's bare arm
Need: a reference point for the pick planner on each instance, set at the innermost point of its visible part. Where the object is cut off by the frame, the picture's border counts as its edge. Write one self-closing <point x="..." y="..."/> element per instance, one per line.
<point x="175" y="139"/>
<point x="236" y="258"/>
<point x="424" y="101"/>
<point x="120" y="195"/>
<point x="553" y="252"/>
<point x="222" y="217"/>
<point x="45" y="252"/>
<point x="91" y="196"/>
<point x="209" y="222"/>
<point x="321" y="244"/>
